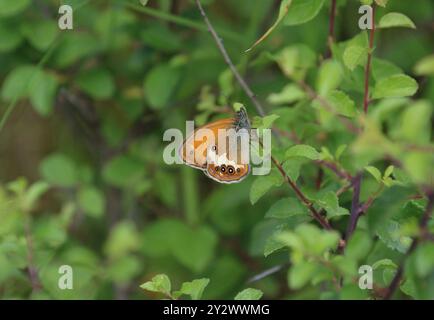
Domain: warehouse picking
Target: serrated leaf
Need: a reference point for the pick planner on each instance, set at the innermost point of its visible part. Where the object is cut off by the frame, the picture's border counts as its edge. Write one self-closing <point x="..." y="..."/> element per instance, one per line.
<point x="355" y="56"/>
<point x="194" y="288"/>
<point x="395" y="86"/>
<point x="395" y="19"/>
<point x="302" y="150"/>
<point x="159" y="283"/>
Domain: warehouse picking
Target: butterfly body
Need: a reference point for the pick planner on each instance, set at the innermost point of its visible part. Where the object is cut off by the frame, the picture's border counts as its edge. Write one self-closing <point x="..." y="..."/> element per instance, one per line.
<point x="202" y="149"/>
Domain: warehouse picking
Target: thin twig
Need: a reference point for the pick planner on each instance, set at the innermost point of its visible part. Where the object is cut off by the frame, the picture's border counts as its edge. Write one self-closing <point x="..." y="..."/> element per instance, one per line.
<point x="229" y="62"/>
<point x="369" y="62"/>
<point x="319" y="218"/>
<point x="355" y="205"/>
<point x="423" y="225"/>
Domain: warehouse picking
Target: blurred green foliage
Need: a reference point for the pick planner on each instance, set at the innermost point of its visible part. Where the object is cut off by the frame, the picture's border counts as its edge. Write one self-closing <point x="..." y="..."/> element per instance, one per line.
<point x="83" y="182"/>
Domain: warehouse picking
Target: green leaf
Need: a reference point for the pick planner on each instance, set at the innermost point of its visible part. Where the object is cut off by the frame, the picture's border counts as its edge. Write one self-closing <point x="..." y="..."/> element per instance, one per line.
<point x="341" y="103"/>
<point x="390" y="234"/>
<point x="98" y="83"/>
<point x="384" y="69"/>
<point x="11" y="37"/>
<point x="296" y="60"/>
<point x="194" y="289"/>
<point x="75" y="46"/>
<point x="359" y="245"/>
<point x="16" y="82"/>
<point x="123" y="171"/>
<point x="42" y="92"/>
<point x="424" y="259"/>
<point x="355" y="56"/>
<point x="285" y="208"/>
<point x="302" y="11"/>
<point x="265" y="122"/>
<point x="160" y="84"/>
<point x="159" y="283"/>
<point x="415" y="126"/>
<point x="302" y="150"/>
<point x="91" y="200"/>
<point x="11" y="8"/>
<point x="35" y="191"/>
<point x="144" y="2"/>
<point x="123" y="240"/>
<point x="59" y="169"/>
<point x="395" y="86"/>
<point x="395" y="19"/>
<point x="425" y="67"/>
<point x="290" y="93"/>
<point x="374" y="172"/>
<point x="329" y="201"/>
<point x="262" y="185"/>
<point x="42" y="34"/>
<point x="301" y="273"/>
<point x="249" y="294"/>
<point x="329" y="77"/>
<point x="193" y="247"/>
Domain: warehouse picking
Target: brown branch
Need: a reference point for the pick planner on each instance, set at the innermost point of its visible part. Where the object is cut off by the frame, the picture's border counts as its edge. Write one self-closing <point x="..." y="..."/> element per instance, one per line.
<point x="229" y="62"/>
<point x="423" y="225"/>
<point x="369" y="62"/>
<point x="315" y="214"/>
<point x="341" y="173"/>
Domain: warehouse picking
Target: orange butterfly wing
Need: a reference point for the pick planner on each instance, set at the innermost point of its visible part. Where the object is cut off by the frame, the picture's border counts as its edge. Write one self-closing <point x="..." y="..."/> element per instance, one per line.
<point x="189" y="149"/>
<point x="227" y="173"/>
<point x="194" y="152"/>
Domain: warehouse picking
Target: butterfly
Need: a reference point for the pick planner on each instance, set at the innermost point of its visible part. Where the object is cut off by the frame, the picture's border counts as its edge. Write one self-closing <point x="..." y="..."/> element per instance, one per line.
<point x="205" y="154"/>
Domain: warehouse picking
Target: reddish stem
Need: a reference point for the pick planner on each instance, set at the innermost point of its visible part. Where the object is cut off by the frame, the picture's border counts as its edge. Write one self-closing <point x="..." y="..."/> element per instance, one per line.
<point x="369" y="62"/>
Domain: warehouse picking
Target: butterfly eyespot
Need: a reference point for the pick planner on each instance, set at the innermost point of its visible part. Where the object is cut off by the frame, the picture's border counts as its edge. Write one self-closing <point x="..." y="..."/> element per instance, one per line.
<point x="238" y="170"/>
<point x="223" y="168"/>
<point x="217" y="168"/>
<point x="231" y="170"/>
<point x="214" y="148"/>
<point x="191" y="152"/>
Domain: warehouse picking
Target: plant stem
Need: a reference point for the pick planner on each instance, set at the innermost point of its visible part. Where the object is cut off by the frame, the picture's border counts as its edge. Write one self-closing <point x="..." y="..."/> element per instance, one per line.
<point x="355" y="205"/>
<point x="423" y="225"/>
<point x="369" y="62"/>
<point x="319" y="218"/>
<point x="229" y="62"/>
